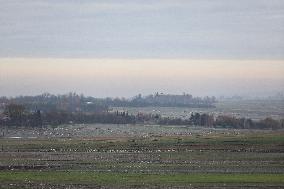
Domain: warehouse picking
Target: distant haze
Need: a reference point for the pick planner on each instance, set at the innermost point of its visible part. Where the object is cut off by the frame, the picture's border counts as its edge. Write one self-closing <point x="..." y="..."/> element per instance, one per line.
<point x="122" y="48"/>
<point x="128" y="77"/>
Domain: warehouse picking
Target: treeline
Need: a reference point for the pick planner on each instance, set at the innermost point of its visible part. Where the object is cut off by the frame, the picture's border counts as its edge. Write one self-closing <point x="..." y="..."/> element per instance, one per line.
<point x="46" y="102"/>
<point x="15" y="115"/>
<point x="162" y="100"/>
<point x="224" y="121"/>
<point x="73" y="102"/>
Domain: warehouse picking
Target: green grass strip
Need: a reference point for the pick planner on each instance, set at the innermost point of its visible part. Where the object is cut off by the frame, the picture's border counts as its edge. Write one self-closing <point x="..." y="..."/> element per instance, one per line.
<point x="85" y="177"/>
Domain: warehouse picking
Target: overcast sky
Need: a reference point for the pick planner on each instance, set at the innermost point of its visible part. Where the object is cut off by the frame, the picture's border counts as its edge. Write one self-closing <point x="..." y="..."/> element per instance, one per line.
<point x="230" y="29"/>
<point x="125" y="47"/>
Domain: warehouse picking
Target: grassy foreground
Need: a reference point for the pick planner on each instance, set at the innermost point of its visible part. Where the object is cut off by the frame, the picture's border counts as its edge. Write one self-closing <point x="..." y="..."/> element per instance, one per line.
<point x="221" y="158"/>
<point x="85" y="177"/>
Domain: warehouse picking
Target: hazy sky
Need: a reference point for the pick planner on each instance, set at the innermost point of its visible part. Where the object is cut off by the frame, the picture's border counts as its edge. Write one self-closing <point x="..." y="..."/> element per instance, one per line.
<point x="121" y="48"/>
<point x="120" y="77"/>
<point x="203" y="29"/>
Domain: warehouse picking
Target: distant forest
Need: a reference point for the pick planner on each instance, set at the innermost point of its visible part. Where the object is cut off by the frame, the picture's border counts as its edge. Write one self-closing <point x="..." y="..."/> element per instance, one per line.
<point x="73" y="102"/>
<point x="50" y="110"/>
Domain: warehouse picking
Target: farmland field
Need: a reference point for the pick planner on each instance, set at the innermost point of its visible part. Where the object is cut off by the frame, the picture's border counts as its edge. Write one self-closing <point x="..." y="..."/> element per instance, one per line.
<point x="141" y="156"/>
<point x="254" y="109"/>
<point x="147" y="156"/>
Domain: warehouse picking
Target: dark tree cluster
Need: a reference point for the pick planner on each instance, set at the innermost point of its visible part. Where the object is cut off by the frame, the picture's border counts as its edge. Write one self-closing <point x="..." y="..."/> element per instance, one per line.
<point x="17" y="115"/>
<point x="243" y="123"/>
<point x="162" y="100"/>
<point x="73" y="102"/>
<point x="58" y="118"/>
<point x="224" y="121"/>
<point x="46" y="102"/>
